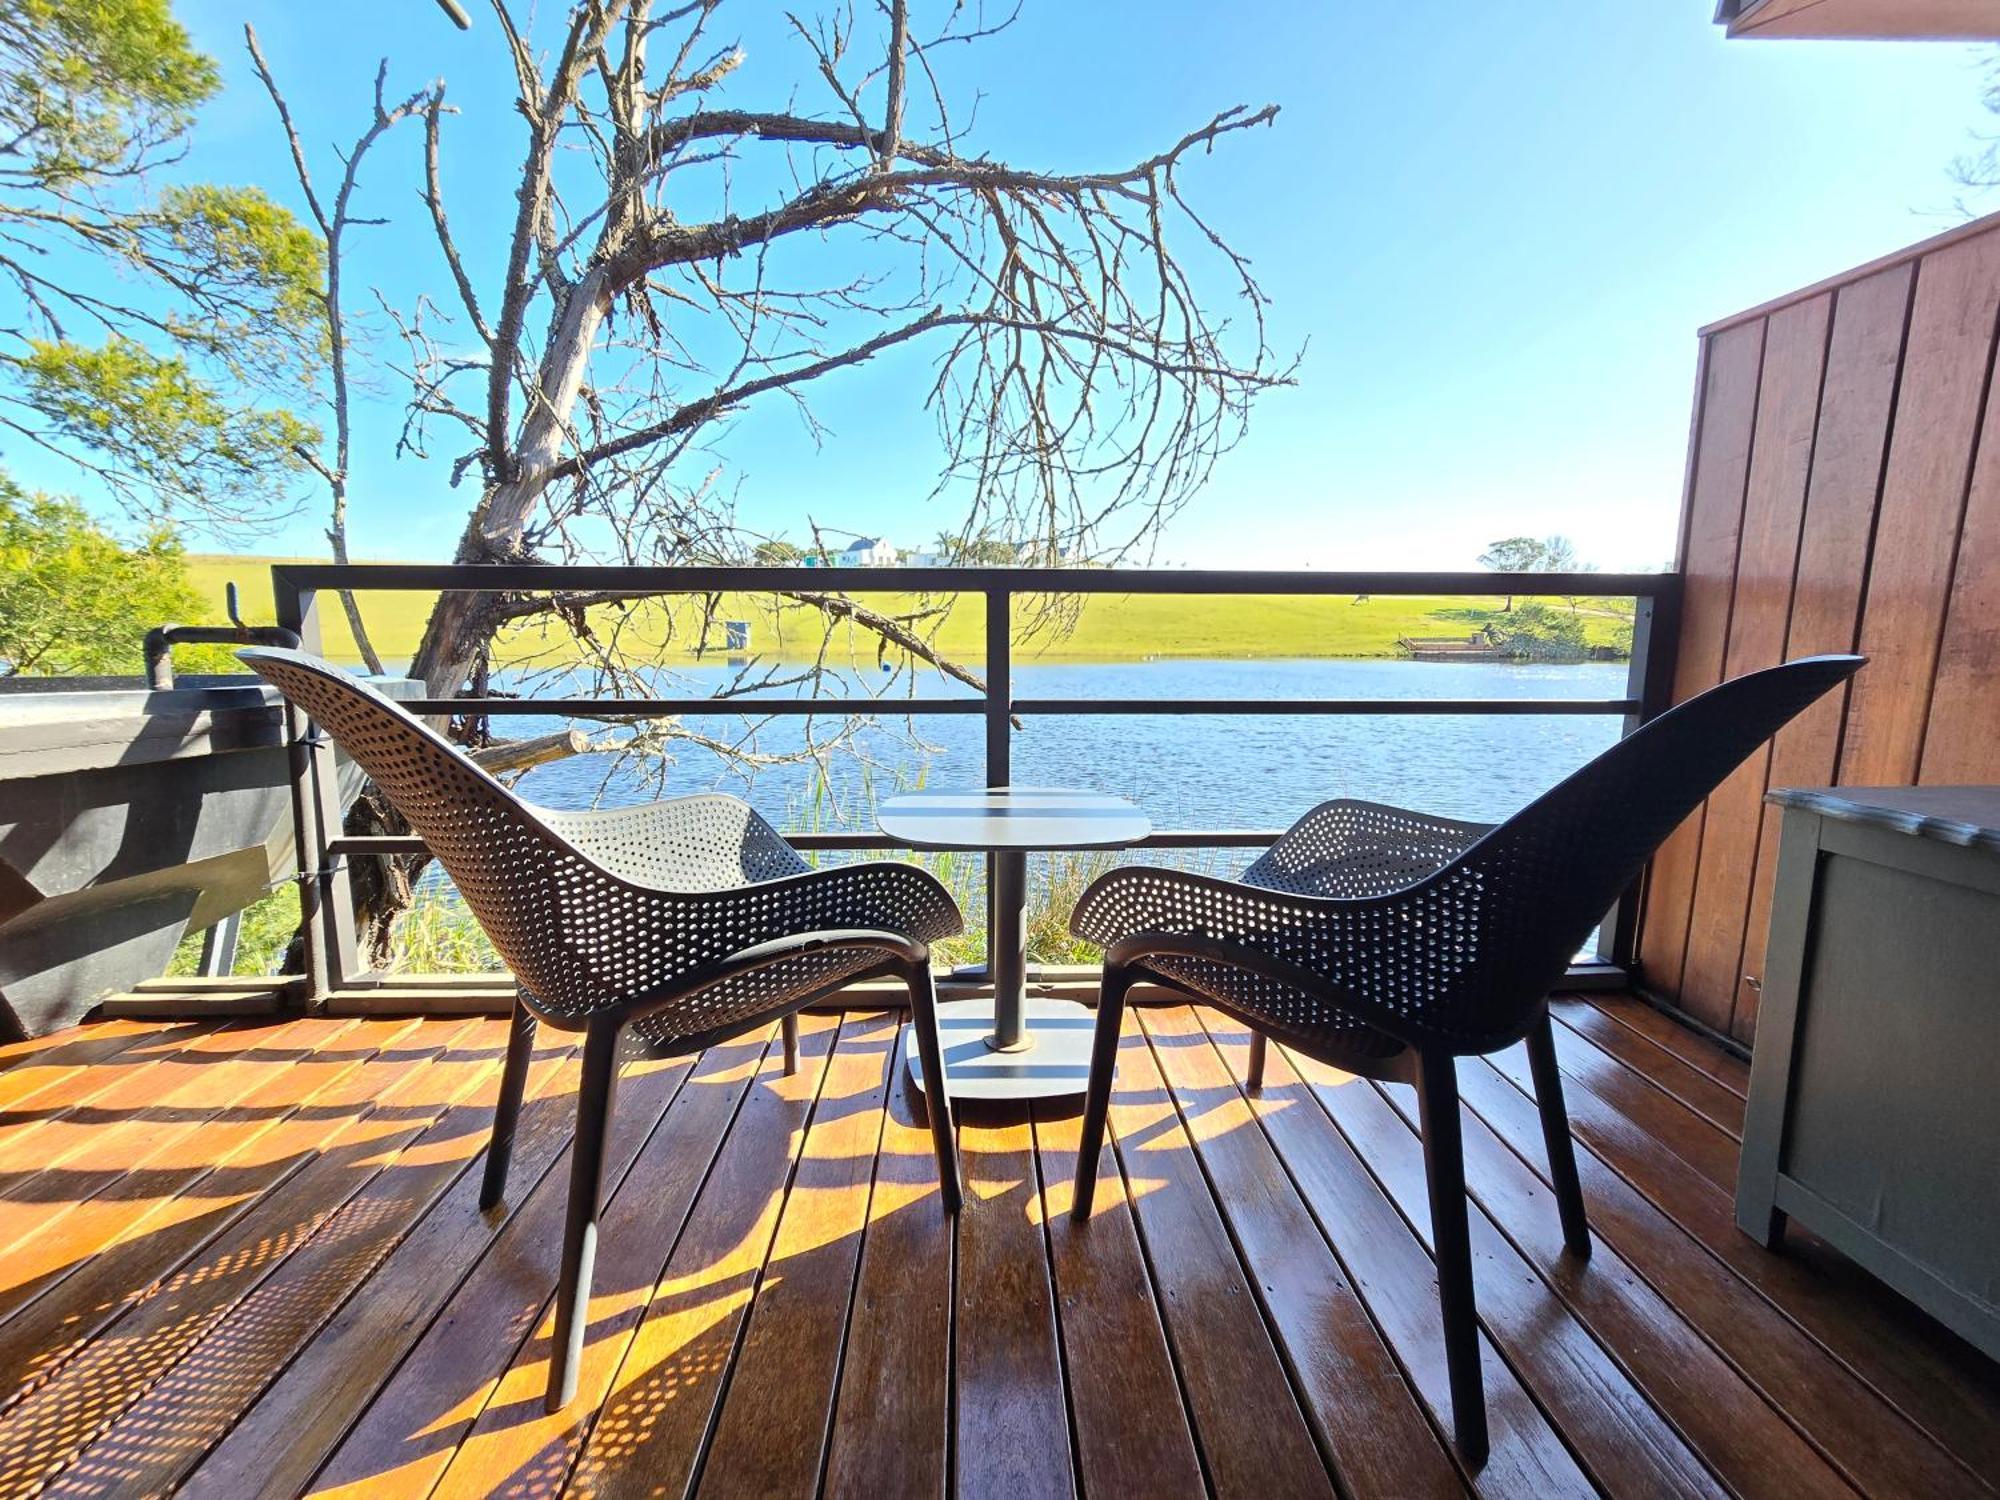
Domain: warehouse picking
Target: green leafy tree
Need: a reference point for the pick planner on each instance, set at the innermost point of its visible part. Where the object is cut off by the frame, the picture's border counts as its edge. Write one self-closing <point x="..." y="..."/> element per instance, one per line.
<point x="1538" y="633"/>
<point x="1514" y="554"/>
<point x="73" y="600"/>
<point x="776" y="553"/>
<point x="148" y="334"/>
<point x="1558" y="555"/>
<point x="978" y="551"/>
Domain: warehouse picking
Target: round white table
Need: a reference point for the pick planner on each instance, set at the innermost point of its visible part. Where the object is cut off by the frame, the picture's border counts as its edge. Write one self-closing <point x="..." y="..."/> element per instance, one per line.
<point x="1012" y="1047"/>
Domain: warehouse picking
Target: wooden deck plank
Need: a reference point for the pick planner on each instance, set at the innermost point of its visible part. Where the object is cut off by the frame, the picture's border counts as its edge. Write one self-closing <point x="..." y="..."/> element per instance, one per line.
<point x="43" y="1432"/>
<point x="36" y="1133"/>
<point x="516" y="1445"/>
<point x="62" y="1289"/>
<point x="39" y="1062"/>
<point x="1229" y="1365"/>
<point x="1546" y="1378"/>
<point x="1700" y="1142"/>
<point x="1011" y="1433"/>
<point x="1370" y="1427"/>
<point x="144" y="1152"/>
<point x="44" y="1333"/>
<point x="1132" y="1433"/>
<point x="74" y="1047"/>
<point x="1878" y="1449"/>
<point x="1720" y="1106"/>
<point x="407" y="1435"/>
<point x="304" y="1292"/>
<point x="1670" y="1036"/>
<point x="104" y="1142"/>
<point x="281" y="1440"/>
<point x="167" y="1430"/>
<point x="771" y="1436"/>
<point x="1682" y="1380"/>
<point x="663" y="1397"/>
<point x="1396" y="1277"/>
<point x="892" y="1417"/>
<point x="1927" y="1374"/>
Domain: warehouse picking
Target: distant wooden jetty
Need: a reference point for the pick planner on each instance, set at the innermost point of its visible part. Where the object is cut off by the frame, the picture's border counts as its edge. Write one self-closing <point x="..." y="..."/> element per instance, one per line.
<point x="1477" y="646"/>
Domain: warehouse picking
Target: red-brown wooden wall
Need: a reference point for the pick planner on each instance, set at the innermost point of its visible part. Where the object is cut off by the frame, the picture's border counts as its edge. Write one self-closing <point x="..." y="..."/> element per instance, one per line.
<point x="1843" y="493"/>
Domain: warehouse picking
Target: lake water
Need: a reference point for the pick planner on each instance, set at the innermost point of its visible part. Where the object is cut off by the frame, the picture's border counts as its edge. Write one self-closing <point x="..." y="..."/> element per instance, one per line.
<point x="1186" y="772"/>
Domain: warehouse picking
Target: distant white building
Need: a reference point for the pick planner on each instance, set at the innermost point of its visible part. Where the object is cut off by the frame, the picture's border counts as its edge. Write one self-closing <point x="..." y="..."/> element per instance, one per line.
<point x="869" y="552"/>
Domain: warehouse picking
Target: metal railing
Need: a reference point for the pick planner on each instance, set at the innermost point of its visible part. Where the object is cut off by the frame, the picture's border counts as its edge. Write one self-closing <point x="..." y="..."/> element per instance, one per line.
<point x="324" y="849"/>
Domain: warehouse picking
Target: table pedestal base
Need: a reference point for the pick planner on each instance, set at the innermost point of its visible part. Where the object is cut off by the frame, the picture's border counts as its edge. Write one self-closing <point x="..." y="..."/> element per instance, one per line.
<point x="1054" y="1064"/>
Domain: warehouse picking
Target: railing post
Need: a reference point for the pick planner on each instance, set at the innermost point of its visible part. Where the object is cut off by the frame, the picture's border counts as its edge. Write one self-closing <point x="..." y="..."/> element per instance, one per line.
<point x="999" y="684"/>
<point x="1006" y="874"/>
<point x="294" y="608"/>
<point x="1649" y="678"/>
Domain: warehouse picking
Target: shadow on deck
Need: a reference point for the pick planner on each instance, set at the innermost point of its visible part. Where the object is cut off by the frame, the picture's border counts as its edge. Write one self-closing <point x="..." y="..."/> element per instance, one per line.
<point x="246" y="1258"/>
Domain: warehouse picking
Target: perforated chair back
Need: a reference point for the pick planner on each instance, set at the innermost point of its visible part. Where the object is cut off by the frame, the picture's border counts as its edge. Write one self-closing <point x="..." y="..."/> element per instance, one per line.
<point x="1526" y="895"/>
<point x="506" y="862"/>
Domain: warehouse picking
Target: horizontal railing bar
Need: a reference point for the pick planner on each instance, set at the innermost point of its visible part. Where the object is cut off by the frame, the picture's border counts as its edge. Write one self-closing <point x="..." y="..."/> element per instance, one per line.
<point x="663" y="707"/>
<point x="384" y="843"/>
<point x="1028" y="707"/>
<point x="1046" y="707"/>
<point x="1165" y="838"/>
<point x="1217" y="838"/>
<point x="450" y="577"/>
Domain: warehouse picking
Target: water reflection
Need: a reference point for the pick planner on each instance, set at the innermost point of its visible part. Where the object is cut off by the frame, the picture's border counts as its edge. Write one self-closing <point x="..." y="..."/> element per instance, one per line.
<point x="1222" y="772"/>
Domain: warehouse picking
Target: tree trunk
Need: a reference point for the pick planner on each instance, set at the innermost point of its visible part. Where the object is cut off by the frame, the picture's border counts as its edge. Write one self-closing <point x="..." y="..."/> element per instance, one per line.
<point x="459" y="622"/>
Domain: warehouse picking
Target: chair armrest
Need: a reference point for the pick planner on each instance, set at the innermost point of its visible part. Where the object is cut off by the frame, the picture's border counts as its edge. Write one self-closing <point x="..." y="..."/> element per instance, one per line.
<point x="1140" y="898"/>
<point x="1322" y="945"/>
<point x="873" y="895"/>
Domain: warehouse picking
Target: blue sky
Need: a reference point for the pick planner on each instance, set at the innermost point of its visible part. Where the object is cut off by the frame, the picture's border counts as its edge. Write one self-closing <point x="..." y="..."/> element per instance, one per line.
<point x="1494" y="229"/>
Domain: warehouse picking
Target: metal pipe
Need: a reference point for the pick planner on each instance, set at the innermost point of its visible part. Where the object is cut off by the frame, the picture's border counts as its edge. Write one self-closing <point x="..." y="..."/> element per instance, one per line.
<point x="520" y="578"/>
<point x="161" y="640"/>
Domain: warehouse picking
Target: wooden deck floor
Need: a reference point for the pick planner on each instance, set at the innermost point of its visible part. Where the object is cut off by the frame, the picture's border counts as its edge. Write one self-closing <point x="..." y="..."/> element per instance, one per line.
<point x="246" y="1259"/>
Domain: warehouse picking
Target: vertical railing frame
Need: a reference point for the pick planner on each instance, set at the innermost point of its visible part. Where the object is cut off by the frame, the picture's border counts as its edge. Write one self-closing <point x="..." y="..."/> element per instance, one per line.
<point x="1649" y="679"/>
<point x="326" y="902"/>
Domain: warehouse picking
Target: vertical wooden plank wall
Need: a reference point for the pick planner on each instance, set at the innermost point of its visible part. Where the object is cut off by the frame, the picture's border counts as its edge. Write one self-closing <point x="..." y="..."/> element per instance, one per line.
<point x="1843" y="494"/>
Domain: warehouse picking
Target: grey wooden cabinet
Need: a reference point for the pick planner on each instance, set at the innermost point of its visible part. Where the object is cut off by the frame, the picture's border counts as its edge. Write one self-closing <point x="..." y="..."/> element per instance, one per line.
<point x="1874" y="1113"/>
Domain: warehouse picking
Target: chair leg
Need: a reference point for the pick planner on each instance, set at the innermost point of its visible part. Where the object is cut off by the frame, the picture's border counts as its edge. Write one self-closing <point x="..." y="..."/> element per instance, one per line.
<point x="586" y="1182"/>
<point x="1259" y="1045"/>
<point x="789" y="1030"/>
<point x="930" y="1052"/>
<point x="1444" y="1167"/>
<point x="1556" y="1137"/>
<point x="1097" y="1097"/>
<point x="507" y="1111"/>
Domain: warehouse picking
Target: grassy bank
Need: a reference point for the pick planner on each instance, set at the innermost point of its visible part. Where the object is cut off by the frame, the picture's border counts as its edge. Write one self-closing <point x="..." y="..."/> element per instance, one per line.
<point x="1112" y="627"/>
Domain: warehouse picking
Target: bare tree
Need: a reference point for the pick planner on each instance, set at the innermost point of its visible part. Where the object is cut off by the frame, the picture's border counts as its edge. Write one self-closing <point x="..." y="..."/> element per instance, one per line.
<point x="334" y="222"/>
<point x="1975" y="172"/>
<point x="673" y="252"/>
<point x="678" y="254"/>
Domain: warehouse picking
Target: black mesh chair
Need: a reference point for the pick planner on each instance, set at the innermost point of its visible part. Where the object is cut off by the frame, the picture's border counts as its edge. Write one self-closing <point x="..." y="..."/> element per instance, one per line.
<point x="691" y="921"/>
<point x="1390" y="944"/>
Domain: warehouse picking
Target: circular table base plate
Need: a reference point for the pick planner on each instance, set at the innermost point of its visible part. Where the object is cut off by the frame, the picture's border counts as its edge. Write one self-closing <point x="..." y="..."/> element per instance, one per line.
<point x="1057" y="1066"/>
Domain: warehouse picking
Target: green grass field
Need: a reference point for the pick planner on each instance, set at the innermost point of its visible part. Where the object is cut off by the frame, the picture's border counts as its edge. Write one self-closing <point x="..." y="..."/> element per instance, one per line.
<point x="1110" y="628"/>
